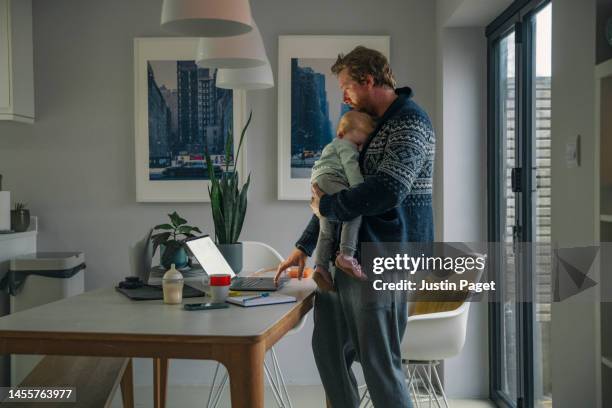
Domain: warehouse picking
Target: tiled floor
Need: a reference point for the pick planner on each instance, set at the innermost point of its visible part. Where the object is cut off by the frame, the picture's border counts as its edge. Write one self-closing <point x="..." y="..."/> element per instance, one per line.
<point x="302" y="397"/>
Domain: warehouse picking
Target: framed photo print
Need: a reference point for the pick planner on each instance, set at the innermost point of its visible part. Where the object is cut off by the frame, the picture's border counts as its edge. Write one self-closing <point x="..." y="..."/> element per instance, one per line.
<point x="179" y="113"/>
<point x="310" y="103"/>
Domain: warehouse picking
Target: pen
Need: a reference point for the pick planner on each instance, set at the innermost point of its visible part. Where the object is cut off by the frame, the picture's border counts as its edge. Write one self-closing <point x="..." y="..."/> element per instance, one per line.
<point x="265" y="294"/>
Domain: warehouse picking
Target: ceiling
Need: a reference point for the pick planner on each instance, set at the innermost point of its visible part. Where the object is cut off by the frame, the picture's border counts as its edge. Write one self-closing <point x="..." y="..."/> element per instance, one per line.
<point x="472" y="13"/>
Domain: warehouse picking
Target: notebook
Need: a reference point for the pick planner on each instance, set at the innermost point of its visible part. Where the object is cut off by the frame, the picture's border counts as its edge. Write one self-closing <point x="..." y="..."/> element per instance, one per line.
<point x="272" y="299"/>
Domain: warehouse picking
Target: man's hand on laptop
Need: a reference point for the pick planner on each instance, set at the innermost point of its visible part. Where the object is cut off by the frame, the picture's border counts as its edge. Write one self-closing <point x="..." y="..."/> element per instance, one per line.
<point x="296" y="258"/>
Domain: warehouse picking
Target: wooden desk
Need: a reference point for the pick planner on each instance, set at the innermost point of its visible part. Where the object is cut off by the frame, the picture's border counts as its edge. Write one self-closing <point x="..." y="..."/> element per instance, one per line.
<point x="106" y="323"/>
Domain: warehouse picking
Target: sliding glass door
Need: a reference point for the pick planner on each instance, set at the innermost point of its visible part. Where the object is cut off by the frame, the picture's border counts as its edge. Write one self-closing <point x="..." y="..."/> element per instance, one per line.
<point x="540" y="111"/>
<point x="519" y="203"/>
<point x="507" y="214"/>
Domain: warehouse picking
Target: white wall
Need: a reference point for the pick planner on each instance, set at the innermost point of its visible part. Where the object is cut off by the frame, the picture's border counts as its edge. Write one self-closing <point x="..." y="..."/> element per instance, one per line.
<point x="464" y="187"/>
<point x="75" y="168"/>
<point x="573" y="191"/>
<point x="461" y="166"/>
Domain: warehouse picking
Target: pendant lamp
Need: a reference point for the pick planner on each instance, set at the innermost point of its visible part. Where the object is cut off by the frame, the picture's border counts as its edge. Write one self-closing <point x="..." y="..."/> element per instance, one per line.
<point x="245" y="78"/>
<point x="240" y="51"/>
<point x="206" y="18"/>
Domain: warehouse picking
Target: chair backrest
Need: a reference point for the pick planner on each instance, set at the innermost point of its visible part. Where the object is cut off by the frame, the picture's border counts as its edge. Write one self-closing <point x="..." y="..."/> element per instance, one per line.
<point x="437" y="326"/>
<point x="436" y="336"/>
<point x="435" y="303"/>
<point x="440" y="301"/>
<point x="257" y="256"/>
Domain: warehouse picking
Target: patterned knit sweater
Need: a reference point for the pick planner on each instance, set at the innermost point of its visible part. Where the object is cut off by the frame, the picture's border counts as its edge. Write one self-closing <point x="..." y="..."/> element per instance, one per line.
<point x="396" y="198"/>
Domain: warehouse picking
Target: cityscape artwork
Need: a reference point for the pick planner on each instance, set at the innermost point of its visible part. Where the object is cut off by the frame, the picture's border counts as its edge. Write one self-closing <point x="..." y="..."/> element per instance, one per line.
<point x="179" y="114"/>
<point x="316" y="107"/>
<point x="310" y="103"/>
<point x="187" y="114"/>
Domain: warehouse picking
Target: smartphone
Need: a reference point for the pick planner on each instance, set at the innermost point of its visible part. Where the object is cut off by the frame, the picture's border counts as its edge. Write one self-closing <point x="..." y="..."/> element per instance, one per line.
<point x="205" y="306"/>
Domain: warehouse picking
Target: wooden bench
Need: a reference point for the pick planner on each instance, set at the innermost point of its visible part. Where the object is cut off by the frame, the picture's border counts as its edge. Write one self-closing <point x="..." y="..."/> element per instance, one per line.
<point x="95" y="378"/>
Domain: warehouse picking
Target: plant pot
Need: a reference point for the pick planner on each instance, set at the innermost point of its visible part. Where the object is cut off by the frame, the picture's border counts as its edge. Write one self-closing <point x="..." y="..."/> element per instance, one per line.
<point x="233" y="255"/>
<point x="20" y="220"/>
<point x="173" y="254"/>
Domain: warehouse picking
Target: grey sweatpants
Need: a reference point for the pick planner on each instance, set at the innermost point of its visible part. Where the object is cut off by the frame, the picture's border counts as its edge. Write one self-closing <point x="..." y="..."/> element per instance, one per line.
<point x="356" y="324"/>
<point x="349" y="236"/>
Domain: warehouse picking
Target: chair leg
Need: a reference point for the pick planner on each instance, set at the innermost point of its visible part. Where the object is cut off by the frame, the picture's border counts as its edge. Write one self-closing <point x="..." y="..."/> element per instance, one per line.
<point x="274" y="375"/>
<point x="279" y="372"/>
<point x="414" y="390"/>
<point x="426" y="379"/>
<point x="364" y="397"/>
<point x="433" y="389"/>
<point x="365" y="401"/>
<point x="212" y="386"/>
<point x="214" y="395"/>
<point x="273" y="385"/>
<point x="435" y="370"/>
<point x="220" y="390"/>
<point x="423" y="382"/>
<point x="411" y="387"/>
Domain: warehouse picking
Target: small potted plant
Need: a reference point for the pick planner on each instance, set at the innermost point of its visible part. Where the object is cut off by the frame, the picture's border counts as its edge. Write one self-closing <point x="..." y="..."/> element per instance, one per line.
<point x="170" y="239"/>
<point x="20" y="217"/>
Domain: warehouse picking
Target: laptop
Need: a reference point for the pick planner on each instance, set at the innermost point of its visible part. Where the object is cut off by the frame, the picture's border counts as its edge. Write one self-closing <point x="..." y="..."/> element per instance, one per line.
<point x="212" y="261"/>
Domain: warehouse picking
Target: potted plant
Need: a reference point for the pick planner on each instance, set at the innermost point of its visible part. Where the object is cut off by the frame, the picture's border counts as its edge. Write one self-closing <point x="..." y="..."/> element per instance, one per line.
<point x="20" y="217"/>
<point x="170" y="239"/>
<point x="228" y="202"/>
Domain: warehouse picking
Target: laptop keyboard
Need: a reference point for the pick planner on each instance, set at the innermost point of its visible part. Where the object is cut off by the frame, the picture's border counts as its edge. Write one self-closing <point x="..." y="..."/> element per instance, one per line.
<point x="254" y="283"/>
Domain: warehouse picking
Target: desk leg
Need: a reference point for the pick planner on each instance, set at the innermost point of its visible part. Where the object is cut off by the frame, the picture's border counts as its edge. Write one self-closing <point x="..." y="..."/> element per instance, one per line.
<point x="245" y="367"/>
<point x="127" y="386"/>
<point x="160" y="381"/>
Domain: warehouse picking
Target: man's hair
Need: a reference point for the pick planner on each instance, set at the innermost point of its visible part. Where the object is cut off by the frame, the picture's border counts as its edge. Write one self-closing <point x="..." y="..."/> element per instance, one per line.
<point x="355" y="120"/>
<point x="364" y="61"/>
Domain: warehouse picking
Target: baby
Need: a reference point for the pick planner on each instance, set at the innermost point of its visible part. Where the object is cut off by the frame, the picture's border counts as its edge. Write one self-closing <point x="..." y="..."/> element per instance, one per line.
<point x="337" y="170"/>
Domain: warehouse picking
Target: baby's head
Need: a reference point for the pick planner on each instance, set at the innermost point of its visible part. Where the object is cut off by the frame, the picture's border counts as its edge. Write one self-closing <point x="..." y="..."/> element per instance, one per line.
<point x="355" y="127"/>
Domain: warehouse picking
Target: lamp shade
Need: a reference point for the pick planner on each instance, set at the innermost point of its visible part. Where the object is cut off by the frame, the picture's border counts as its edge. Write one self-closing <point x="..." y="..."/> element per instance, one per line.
<point x="240" y="51"/>
<point x="206" y="18"/>
<point x="245" y="78"/>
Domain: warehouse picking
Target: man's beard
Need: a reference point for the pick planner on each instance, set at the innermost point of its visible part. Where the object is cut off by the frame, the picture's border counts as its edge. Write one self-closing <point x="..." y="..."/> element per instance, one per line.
<point x="364" y="109"/>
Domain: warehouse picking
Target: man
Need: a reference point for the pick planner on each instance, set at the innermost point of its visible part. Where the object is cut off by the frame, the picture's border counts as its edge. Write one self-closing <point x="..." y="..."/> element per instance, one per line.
<point x="395" y="201"/>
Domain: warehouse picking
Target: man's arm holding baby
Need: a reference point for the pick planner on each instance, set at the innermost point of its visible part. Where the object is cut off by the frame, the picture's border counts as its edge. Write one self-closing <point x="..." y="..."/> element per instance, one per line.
<point x="405" y="154"/>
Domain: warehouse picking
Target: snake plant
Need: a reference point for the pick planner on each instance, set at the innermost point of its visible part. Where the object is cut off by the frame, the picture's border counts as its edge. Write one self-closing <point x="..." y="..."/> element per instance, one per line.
<point x="228" y="200"/>
<point x="20" y="207"/>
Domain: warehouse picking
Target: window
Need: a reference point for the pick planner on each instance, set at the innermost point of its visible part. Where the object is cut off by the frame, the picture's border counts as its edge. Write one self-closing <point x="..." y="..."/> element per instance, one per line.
<point x="519" y="202"/>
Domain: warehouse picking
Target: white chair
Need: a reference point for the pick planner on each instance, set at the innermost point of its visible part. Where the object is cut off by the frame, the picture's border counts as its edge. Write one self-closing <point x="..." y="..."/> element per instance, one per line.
<point x="431" y="338"/>
<point x="258" y="256"/>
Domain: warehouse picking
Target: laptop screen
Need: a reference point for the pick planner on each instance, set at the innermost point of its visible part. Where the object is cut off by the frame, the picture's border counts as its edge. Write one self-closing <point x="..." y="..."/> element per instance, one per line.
<point x="209" y="256"/>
